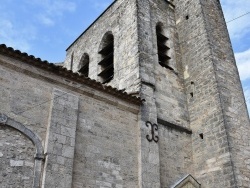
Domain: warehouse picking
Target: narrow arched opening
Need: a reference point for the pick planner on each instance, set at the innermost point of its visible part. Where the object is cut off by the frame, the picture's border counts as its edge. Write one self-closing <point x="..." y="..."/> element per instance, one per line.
<point x="162" y="47"/>
<point x="106" y="64"/>
<point x="84" y="65"/>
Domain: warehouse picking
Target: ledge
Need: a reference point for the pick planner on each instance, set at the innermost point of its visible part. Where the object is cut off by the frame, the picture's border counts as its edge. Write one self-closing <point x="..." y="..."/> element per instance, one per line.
<point x="173" y="126"/>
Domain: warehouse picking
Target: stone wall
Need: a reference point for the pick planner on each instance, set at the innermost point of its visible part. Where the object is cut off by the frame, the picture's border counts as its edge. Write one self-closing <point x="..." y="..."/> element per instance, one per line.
<point x="176" y="158"/>
<point x="210" y="72"/>
<point x="20" y="91"/>
<point x="166" y="98"/>
<point x="120" y="20"/>
<point x="17" y="159"/>
<point x="193" y="119"/>
<point x="235" y="113"/>
<point x="89" y="136"/>
<point x="60" y="140"/>
<point x="106" y="146"/>
<point x="210" y="144"/>
<point x="20" y="95"/>
<point x="169" y="87"/>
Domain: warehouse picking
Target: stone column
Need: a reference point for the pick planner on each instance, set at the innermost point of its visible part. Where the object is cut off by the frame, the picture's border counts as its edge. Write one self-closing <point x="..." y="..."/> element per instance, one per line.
<point x="60" y="141"/>
<point x="149" y="165"/>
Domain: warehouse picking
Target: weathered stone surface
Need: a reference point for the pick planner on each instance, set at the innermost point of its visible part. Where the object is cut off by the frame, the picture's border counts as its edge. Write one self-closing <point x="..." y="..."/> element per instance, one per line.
<point x="120" y="20"/>
<point x="93" y="138"/>
<point x="60" y="155"/>
<point x="106" y="149"/>
<point x="217" y="100"/>
<point x="17" y="159"/>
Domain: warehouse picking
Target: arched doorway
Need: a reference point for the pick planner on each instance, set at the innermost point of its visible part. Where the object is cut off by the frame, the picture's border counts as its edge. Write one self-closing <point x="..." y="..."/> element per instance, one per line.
<point x="21" y="155"/>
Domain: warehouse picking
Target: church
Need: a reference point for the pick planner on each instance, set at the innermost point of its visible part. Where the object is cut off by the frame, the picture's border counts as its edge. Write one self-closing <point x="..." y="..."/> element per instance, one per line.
<point x="149" y="96"/>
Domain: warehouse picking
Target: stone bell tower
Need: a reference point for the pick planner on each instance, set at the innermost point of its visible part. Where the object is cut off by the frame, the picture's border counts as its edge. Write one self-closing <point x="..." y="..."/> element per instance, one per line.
<point x="193" y="93"/>
<point x="217" y="109"/>
<point x="176" y="55"/>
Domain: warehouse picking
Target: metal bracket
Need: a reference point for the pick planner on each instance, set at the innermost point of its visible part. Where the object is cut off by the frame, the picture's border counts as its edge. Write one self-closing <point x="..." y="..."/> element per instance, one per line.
<point x="154" y="128"/>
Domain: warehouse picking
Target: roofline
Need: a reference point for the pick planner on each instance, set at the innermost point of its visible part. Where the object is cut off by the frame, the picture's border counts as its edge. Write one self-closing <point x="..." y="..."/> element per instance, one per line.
<point x="92" y="24"/>
<point x="63" y="72"/>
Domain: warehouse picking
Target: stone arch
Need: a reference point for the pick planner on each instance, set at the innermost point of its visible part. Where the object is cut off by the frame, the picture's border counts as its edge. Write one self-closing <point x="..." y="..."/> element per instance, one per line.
<point x="39" y="156"/>
<point x="162" y="46"/>
<point x="83" y="68"/>
<point x="160" y="27"/>
<point x="106" y="64"/>
<point x="72" y="61"/>
<point x="107" y="37"/>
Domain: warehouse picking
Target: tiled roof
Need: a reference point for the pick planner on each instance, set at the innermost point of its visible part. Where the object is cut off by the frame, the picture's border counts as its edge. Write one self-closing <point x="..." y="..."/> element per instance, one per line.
<point x="61" y="71"/>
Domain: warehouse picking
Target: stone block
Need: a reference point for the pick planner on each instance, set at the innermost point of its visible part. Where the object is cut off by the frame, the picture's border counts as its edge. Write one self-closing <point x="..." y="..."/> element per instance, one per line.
<point x="16" y="163"/>
<point x="66" y="131"/>
<point x="68" y="151"/>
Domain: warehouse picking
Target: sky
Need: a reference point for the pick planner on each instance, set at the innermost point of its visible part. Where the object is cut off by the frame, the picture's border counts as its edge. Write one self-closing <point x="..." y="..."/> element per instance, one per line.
<point x="45" y="28"/>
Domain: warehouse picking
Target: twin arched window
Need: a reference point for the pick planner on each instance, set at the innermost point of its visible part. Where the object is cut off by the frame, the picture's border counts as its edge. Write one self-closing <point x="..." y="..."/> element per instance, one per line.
<point x="106" y="64"/>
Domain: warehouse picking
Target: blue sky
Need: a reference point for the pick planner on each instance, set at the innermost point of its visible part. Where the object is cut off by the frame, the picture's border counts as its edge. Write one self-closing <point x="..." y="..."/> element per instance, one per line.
<point x="45" y="28"/>
<point x="239" y="31"/>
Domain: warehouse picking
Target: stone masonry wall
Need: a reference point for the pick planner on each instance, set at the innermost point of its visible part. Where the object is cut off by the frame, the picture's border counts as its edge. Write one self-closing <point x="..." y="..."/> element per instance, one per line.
<point x="166" y="98"/>
<point x="60" y="140"/>
<point x="17" y="159"/>
<point x="93" y="139"/>
<point x="211" y="147"/>
<point x="149" y="167"/>
<point x="169" y="87"/>
<point x="235" y="113"/>
<point x="120" y="19"/>
<point x="19" y="92"/>
<point x="106" y="146"/>
<point x="176" y="159"/>
<point x="93" y="145"/>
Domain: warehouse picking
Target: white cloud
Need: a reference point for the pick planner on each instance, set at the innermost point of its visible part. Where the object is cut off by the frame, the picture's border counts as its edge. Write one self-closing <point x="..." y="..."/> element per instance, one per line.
<point x="18" y="38"/>
<point x="19" y="32"/>
<point x="239" y="31"/>
<point x="247" y="97"/>
<point x="51" y="10"/>
<point x="233" y="9"/>
<point x="6" y="26"/>
<point x="52" y="6"/>
<point x="243" y="62"/>
<point x="45" y="20"/>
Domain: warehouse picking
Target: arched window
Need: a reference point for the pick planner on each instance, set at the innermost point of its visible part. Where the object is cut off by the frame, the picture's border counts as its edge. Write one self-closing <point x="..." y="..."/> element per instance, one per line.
<point x="162" y="48"/>
<point x="71" y="61"/>
<point x="107" y="61"/>
<point x="84" y="65"/>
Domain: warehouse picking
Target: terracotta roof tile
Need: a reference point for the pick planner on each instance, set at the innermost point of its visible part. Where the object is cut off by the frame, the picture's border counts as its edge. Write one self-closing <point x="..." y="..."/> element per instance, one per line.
<point x="61" y="71"/>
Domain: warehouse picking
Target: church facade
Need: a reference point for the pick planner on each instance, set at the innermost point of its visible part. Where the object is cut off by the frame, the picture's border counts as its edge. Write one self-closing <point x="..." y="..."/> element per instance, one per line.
<point x="149" y="97"/>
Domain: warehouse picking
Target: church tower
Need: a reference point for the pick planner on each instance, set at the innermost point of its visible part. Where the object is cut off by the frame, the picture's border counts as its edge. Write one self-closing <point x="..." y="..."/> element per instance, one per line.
<point x="177" y="56"/>
<point x="217" y="109"/>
